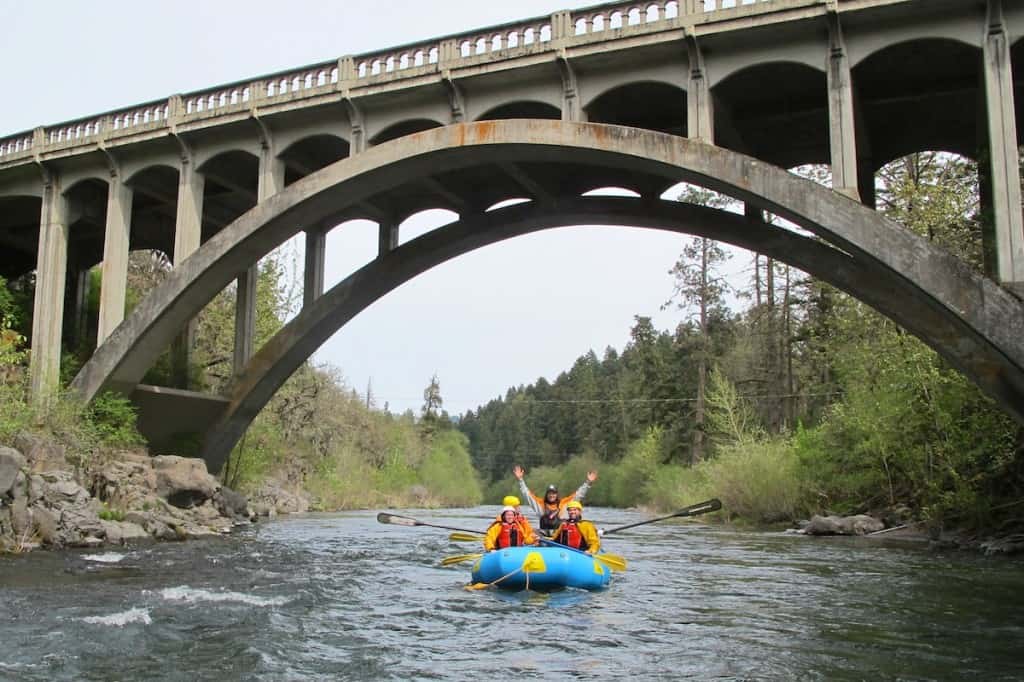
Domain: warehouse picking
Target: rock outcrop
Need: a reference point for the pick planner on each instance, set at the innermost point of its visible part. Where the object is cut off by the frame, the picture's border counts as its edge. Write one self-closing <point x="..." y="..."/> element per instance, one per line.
<point x="128" y="498"/>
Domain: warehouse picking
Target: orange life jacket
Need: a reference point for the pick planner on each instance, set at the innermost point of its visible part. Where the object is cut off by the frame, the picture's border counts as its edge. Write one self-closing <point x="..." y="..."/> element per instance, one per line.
<point x="570" y="536"/>
<point x="511" y="535"/>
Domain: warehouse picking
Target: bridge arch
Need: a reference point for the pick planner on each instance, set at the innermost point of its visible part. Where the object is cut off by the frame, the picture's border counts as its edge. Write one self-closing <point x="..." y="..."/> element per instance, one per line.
<point x="403" y="128"/>
<point x="973" y="322"/>
<point x="309" y="154"/>
<point x="919" y="94"/>
<point x="867" y="47"/>
<point x="663" y="106"/>
<point x="154" y="207"/>
<point x="19" y="240"/>
<point x="230" y="187"/>
<point x="759" y="105"/>
<point x="521" y="109"/>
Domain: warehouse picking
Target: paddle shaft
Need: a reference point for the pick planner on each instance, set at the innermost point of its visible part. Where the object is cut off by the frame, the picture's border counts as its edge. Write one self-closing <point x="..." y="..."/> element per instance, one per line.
<point x="395" y="519"/>
<point x="693" y="510"/>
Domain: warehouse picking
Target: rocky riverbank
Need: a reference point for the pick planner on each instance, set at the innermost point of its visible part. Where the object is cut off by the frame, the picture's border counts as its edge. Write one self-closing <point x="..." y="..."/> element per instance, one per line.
<point x="45" y="501"/>
<point x="1010" y="541"/>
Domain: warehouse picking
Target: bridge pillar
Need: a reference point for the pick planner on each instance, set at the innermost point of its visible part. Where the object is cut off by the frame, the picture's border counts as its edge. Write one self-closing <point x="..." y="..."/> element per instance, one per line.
<point x="188" y="227"/>
<point x="387" y="238"/>
<point x="271" y="181"/>
<point x="48" y="311"/>
<point x="1003" y="156"/>
<point x="313" y="275"/>
<point x="700" y="114"/>
<point x="115" y="257"/>
<point x="842" y="136"/>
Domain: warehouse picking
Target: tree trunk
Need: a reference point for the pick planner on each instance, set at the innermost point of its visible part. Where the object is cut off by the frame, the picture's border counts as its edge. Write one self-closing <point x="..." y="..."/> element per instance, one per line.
<point x="698" y="430"/>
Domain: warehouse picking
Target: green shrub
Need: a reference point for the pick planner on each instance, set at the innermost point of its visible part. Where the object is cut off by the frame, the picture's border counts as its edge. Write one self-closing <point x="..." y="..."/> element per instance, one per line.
<point x="759" y="482"/>
<point x="113" y="418"/>
<point x="108" y="514"/>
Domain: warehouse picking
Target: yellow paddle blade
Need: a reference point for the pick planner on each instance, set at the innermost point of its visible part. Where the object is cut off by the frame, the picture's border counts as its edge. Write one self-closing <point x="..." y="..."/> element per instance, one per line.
<point x="534" y="563"/>
<point x="466" y="537"/>
<point x="612" y="561"/>
<point x="478" y="586"/>
<point x="450" y="560"/>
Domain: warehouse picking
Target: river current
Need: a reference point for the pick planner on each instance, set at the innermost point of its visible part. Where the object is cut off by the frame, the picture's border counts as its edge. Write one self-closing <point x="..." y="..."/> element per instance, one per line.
<point x="341" y="597"/>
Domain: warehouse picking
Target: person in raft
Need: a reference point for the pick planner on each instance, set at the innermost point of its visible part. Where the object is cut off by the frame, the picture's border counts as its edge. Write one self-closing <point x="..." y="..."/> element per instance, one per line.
<point x="513" y="501"/>
<point x="550" y="507"/>
<point x="507" y="531"/>
<point x="575" y="532"/>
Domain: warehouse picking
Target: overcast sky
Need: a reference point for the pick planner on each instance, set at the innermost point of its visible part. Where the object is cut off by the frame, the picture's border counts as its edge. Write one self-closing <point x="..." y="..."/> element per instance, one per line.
<point x="501" y="316"/>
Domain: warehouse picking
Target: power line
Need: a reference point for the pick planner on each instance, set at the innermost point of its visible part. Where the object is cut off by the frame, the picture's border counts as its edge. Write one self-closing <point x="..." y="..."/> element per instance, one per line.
<point x="588" y="401"/>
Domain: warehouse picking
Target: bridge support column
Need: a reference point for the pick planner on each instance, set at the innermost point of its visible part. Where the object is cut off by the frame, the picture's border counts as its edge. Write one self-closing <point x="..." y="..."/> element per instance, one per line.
<point x="866" y="182"/>
<point x="188" y="230"/>
<point x="700" y="114"/>
<point x="387" y="239"/>
<point x="1003" y="157"/>
<point x="313" y="275"/>
<point x="842" y="138"/>
<point x="115" y="257"/>
<point x="48" y="311"/>
<point x="271" y="181"/>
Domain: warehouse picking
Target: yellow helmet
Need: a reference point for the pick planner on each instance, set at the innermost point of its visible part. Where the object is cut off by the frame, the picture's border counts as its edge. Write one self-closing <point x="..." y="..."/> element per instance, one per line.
<point x="575" y="505"/>
<point x="511" y="501"/>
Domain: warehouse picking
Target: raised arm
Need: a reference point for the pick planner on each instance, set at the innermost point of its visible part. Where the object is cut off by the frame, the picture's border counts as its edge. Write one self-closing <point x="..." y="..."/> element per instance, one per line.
<point x="532" y="499"/>
<point x="581" y="492"/>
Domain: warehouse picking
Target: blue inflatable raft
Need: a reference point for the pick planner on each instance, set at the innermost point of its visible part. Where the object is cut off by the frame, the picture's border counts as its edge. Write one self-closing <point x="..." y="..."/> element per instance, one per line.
<point x="540" y="568"/>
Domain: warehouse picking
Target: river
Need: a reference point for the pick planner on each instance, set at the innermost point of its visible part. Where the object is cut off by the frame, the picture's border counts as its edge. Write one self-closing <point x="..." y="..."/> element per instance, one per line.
<point x="341" y="597"/>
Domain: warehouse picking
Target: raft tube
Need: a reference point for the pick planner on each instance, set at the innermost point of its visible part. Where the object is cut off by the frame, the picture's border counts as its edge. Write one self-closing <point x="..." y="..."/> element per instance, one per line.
<point x="541" y="569"/>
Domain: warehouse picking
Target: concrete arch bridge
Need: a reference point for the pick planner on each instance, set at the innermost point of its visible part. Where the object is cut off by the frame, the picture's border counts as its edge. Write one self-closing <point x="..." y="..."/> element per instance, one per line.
<point x="542" y="110"/>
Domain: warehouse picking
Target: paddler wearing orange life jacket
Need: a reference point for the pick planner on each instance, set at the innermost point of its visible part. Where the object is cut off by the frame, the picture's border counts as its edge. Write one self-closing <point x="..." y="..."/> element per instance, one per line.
<point x="508" y="531"/>
<point x="575" y="532"/>
<point x="513" y="501"/>
<point x="551" y="506"/>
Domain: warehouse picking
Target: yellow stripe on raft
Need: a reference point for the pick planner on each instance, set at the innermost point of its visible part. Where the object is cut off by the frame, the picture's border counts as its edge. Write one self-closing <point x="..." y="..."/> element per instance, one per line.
<point x="598" y="568"/>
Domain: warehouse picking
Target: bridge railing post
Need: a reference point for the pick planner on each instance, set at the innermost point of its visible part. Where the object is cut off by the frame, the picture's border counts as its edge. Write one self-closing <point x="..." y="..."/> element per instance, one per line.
<point x="447" y="54"/>
<point x="561" y="27"/>
<point x="346" y="73"/>
<point x="175" y="109"/>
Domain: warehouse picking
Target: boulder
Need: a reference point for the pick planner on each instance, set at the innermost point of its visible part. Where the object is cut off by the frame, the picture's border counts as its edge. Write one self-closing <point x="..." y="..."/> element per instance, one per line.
<point x="60" y="487"/>
<point x="129" y="484"/>
<point x="183" y="481"/>
<point x="1009" y="544"/>
<point x="45" y="524"/>
<point x="121" y="532"/>
<point x="11" y="464"/>
<point x="861" y="524"/>
<point x="231" y="504"/>
<point x="42" y="454"/>
<point x="21" y="522"/>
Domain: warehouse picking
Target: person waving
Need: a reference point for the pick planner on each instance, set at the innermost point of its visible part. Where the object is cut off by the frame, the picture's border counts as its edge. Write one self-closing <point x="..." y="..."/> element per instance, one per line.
<point x="550" y="507"/>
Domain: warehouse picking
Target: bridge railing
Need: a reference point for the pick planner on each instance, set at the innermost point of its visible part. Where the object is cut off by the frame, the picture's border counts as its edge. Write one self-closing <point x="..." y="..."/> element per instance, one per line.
<point x="514" y="40"/>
